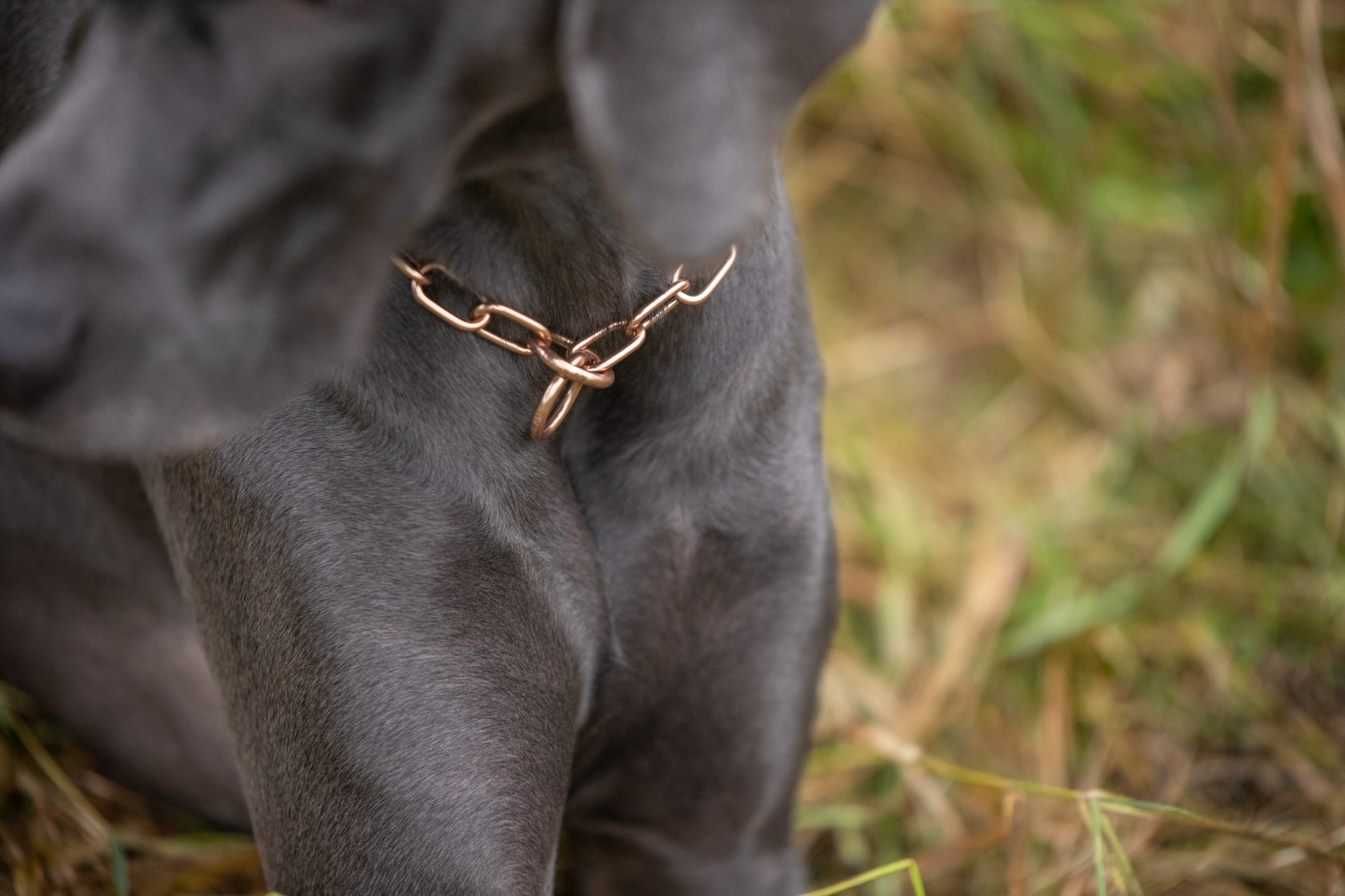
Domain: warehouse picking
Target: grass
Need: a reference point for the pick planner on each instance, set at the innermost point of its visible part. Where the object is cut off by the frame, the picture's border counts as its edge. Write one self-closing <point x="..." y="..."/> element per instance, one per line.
<point x="1078" y="267"/>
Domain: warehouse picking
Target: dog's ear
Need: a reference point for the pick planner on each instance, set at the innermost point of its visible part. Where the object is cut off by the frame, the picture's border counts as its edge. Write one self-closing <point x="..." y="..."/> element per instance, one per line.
<point x="680" y="104"/>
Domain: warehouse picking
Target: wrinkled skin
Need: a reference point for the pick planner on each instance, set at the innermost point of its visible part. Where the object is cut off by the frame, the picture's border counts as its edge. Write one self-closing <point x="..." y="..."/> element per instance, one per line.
<point x="417" y="645"/>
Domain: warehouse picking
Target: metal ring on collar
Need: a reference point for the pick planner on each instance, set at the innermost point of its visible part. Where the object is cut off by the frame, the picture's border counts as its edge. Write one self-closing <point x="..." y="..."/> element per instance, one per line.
<point x="569" y="370"/>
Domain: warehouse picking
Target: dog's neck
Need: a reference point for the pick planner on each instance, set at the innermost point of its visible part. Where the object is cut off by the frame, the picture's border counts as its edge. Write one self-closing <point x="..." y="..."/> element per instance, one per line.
<point x="531" y="225"/>
<point x="533" y="230"/>
<point x="541" y="241"/>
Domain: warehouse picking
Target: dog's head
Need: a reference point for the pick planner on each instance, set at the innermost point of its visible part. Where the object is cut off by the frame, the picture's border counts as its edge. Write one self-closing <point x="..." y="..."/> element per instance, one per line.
<point x="198" y="199"/>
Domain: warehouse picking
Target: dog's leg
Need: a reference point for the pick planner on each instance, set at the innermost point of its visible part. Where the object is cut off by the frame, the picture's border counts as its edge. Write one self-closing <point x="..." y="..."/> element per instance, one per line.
<point x="397" y="595"/>
<point x="704" y="483"/>
<point x="93" y="627"/>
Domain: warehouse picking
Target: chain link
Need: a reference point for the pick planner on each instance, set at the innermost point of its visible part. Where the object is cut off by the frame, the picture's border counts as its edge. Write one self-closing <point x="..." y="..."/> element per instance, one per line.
<point x="577" y="366"/>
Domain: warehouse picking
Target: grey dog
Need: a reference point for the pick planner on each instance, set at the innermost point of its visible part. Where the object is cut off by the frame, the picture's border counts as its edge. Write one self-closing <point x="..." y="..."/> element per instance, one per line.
<point x="274" y="541"/>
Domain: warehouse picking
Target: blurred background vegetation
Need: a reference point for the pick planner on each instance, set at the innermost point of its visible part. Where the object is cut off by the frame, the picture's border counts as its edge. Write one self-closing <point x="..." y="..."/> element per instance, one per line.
<point x="1078" y="268"/>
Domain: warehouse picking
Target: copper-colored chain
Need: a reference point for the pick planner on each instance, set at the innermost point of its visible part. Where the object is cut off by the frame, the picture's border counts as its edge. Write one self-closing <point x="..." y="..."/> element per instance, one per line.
<point x="576" y="366"/>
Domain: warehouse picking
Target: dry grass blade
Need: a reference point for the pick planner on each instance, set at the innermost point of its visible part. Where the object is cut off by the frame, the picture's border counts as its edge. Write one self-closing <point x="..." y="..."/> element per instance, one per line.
<point x="995" y="572"/>
<point x="1328" y="146"/>
<point x="1283" y="170"/>
<point x="89" y="818"/>
<point x="908" y="754"/>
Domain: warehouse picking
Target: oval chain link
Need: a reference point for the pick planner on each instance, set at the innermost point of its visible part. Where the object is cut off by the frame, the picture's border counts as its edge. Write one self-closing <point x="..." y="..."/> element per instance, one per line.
<point x="424" y="277"/>
<point x="541" y="334"/>
<point x="581" y="367"/>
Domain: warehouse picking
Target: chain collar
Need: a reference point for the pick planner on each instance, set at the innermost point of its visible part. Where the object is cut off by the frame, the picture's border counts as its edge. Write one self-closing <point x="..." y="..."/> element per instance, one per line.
<point x="576" y="366"/>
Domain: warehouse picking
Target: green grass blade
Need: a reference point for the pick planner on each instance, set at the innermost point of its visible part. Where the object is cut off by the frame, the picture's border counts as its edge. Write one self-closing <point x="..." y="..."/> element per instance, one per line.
<point x="1118" y="851"/>
<point x="1093" y="816"/>
<point x="1204" y="517"/>
<point x="1063" y="619"/>
<point x="121" y="873"/>
<point x="907" y="865"/>
<point x="1260" y="426"/>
